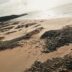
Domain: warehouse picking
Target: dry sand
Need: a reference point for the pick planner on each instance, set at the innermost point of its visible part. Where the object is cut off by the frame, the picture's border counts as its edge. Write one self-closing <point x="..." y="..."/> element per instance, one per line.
<point x="20" y="58"/>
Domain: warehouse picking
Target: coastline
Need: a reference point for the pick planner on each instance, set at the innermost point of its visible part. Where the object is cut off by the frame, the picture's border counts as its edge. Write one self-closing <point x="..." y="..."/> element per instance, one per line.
<point x="19" y="59"/>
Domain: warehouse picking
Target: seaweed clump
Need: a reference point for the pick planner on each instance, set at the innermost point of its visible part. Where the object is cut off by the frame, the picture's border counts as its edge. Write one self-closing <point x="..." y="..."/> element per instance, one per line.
<point x="55" y="65"/>
<point x="56" y="38"/>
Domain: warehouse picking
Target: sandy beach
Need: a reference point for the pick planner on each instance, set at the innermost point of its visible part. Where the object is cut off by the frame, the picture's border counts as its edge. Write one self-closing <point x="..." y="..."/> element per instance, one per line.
<point x="22" y="57"/>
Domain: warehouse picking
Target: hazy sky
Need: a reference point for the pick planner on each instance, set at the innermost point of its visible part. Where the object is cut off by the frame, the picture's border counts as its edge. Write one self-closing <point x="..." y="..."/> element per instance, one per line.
<point x="7" y="6"/>
<point x="46" y="4"/>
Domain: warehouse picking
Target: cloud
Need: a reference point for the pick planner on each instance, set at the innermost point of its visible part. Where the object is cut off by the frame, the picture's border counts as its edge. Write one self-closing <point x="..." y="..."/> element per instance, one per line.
<point x="3" y="1"/>
<point x="12" y="7"/>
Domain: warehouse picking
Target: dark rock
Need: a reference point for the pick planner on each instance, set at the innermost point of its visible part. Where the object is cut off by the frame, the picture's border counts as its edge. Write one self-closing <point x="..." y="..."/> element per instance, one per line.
<point x="56" y="38"/>
<point x="55" y="65"/>
<point x="6" y="18"/>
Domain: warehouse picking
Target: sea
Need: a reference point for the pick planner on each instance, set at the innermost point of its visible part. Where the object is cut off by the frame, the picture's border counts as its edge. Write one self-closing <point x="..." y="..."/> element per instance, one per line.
<point x="20" y="7"/>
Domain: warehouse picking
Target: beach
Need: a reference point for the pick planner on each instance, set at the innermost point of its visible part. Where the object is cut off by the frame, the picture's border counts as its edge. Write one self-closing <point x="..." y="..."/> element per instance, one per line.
<point x="21" y="57"/>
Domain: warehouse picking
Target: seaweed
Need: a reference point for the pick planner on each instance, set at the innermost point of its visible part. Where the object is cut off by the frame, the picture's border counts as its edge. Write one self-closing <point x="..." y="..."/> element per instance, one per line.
<point x="61" y="64"/>
<point x="55" y="39"/>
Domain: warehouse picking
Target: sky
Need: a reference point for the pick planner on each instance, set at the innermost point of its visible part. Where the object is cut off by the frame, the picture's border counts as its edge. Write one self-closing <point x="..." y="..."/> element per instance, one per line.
<point x="19" y="6"/>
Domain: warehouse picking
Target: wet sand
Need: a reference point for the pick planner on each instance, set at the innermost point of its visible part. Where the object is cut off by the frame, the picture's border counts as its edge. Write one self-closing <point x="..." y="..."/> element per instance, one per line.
<point x="20" y="58"/>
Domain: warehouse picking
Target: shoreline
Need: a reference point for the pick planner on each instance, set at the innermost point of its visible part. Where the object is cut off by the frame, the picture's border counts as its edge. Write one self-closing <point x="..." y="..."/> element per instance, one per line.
<point x="21" y="58"/>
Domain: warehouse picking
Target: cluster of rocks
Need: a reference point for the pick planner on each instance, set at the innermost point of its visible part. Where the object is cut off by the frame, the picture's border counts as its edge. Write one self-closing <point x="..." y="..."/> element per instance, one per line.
<point x="55" y="65"/>
<point x="56" y="38"/>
